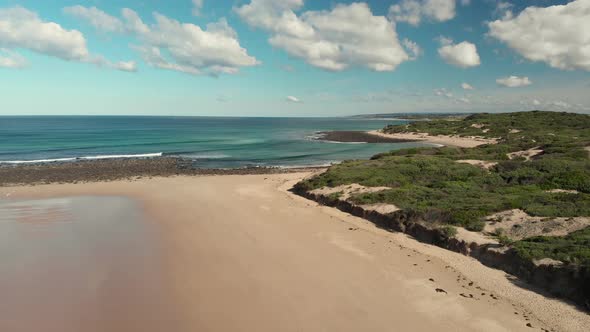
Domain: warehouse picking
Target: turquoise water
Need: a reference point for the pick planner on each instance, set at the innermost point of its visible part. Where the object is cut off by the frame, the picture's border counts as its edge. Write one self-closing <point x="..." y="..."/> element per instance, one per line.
<point x="208" y="141"/>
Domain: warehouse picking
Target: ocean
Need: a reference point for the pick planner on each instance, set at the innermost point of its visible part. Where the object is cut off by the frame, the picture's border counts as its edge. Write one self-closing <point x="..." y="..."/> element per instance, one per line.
<point x="210" y="142"/>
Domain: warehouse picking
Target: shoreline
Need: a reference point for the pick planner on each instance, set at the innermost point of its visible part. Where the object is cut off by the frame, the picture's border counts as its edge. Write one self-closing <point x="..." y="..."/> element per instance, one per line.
<point x="444" y="140"/>
<point x="120" y="169"/>
<point x="276" y="243"/>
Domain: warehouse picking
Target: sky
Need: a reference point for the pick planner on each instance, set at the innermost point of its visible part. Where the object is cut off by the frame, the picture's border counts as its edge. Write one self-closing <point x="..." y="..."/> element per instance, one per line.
<point x="292" y="57"/>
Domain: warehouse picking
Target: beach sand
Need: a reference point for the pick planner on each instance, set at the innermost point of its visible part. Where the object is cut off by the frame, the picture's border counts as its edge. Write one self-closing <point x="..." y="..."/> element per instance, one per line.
<point x="458" y="141"/>
<point x="243" y="254"/>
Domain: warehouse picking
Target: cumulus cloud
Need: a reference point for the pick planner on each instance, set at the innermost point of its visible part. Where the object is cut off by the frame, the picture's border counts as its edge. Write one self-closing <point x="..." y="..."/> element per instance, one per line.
<point x="215" y="50"/>
<point x="11" y="59"/>
<point x="293" y="99"/>
<point x="334" y="40"/>
<point x="514" y="81"/>
<point x="184" y="47"/>
<point x="197" y="7"/>
<point x="21" y="28"/>
<point x="414" y="11"/>
<point x="466" y="86"/>
<point x="463" y="55"/>
<point x="557" y="35"/>
<point x="96" y="17"/>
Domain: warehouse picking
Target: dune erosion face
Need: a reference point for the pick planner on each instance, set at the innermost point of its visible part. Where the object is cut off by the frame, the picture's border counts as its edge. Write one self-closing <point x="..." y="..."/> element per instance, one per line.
<point x="79" y="264"/>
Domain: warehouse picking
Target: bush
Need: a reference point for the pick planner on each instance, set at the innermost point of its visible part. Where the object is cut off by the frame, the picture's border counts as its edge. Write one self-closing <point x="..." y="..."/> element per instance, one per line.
<point x="449" y="231"/>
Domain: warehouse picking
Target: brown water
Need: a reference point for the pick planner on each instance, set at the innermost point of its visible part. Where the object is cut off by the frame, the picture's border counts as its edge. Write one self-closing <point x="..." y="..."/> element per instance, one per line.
<point x="81" y="264"/>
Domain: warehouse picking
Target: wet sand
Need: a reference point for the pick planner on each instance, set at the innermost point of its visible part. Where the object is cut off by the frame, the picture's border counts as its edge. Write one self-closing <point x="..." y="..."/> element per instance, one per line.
<point x="243" y="254"/>
<point x="82" y="263"/>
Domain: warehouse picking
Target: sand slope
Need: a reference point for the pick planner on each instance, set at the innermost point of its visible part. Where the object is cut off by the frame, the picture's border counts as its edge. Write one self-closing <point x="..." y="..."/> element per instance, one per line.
<point x="458" y="141"/>
<point x="245" y="255"/>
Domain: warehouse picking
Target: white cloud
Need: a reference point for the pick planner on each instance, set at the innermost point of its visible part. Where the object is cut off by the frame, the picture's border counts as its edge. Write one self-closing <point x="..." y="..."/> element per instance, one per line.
<point x="413" y="48"/>
<point x="413" y="11"/>
<point x="464" y="100"/>
<point x="536" y="102"/>
<point x="347" y="35"/>
<point x="10" y="59"/>
<point x="197" y="7"/>
<point x="128" y="66"/>
<point x="514" y="81"/>
<point x="133" y="22"/>
<point x="443" y="92"/>
<point x="185" y="47"/>
<point x="463" y="55"/>
<point x="503" y="9"/>
<point x="21" y="28"/>
<point x="292" y="99"/>
<point x="96" y="17"/>
<point x="466" y="86"/>
<point x="561" y="104"/>
<point x="556" y="35"/>
<point x="215" y="50"/>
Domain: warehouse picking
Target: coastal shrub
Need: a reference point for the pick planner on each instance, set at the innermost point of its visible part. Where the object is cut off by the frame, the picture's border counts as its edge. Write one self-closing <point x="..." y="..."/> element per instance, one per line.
<point x="573" y="248"/>
<point x="428" y="181"/>
<point x="449" y="231"/>
<point x="505" y="240"/>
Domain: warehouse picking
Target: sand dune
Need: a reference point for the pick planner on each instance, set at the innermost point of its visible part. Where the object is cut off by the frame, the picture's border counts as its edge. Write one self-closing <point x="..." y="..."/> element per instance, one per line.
<point x="459" y="141"/>
<point x="244" y="254"/>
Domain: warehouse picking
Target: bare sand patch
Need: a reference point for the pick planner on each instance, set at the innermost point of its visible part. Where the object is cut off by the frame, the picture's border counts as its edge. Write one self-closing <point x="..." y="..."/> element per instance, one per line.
<point x="517" y="225"/>
<point x="347" y="190"/>
<point x="473" y="237"/>
<point x="526" y="154"/>
<point x="479" y="163"/>
<point x="563" y="191"/>
<point x="459" y="141"/>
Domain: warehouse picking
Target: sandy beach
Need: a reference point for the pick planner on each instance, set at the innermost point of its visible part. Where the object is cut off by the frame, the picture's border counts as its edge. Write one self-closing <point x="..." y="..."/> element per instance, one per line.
<point x="458" y="141"/>
<point x="241" y="253"/>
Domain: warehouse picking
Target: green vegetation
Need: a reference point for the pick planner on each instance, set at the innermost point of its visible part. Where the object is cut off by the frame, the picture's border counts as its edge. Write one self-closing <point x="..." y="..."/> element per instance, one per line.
<point x="449" y="231"/>
<point x="430" y="182"/>
<point x="573" y="248"/>
<point x="335" y="196"/>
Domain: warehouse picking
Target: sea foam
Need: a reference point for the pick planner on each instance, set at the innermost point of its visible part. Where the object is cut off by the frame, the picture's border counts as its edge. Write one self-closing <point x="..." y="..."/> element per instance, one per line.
<point x="100" y="157"/>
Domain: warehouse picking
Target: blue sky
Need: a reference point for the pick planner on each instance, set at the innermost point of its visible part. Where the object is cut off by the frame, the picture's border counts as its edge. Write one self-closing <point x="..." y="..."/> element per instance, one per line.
<point x="292" y="57"/>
